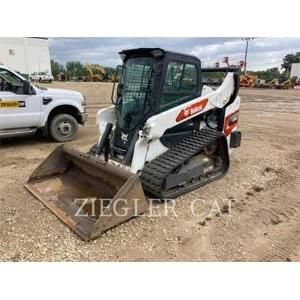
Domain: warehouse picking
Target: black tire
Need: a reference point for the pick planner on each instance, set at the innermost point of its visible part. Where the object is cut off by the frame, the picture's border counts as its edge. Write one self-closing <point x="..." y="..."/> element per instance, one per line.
<point x="63" y="128"/>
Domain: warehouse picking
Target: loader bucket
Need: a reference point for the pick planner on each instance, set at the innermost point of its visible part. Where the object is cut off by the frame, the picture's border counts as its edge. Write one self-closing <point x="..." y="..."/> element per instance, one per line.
<point x="89" y="195"/>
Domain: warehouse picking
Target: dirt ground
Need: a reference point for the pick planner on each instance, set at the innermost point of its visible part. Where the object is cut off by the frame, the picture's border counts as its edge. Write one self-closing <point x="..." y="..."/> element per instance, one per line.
<point x="251" y="214"/>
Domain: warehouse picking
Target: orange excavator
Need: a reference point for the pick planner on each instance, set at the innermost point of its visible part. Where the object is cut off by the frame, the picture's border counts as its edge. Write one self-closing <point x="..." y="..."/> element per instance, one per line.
<point x="248" y="80"/>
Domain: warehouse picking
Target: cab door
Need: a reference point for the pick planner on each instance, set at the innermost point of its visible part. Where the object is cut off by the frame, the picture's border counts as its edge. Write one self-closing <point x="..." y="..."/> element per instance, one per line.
<point x="18" y="108"/>
<point x="181" y="83"/>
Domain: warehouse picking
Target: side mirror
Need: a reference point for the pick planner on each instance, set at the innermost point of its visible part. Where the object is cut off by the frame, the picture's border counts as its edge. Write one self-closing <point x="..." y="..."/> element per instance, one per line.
<point x="26" y="87"/>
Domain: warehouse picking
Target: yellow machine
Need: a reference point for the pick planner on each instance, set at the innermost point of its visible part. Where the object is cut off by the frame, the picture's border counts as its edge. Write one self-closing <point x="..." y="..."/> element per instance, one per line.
<point x="269" y="85"/>
<point x="96" y="72"/>
<point x="248" y="80"/>
<point x="287" y="84"/>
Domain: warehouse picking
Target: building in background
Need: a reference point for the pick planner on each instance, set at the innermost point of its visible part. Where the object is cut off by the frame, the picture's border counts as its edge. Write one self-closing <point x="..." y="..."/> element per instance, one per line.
<point x="25" y="55"/>
<point x="295" y="70"/>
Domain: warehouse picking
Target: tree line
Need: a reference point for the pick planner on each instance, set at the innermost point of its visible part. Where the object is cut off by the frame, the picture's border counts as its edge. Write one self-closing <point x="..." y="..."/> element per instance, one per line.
<point x="286" y="66"/>
<point x="77" y="70"/>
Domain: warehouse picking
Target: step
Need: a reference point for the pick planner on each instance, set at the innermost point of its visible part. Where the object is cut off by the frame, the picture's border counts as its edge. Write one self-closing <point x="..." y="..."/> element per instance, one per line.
<point x="5" y="133"/>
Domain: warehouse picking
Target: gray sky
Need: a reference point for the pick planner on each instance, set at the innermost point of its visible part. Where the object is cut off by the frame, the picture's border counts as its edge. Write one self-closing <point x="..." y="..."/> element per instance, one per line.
<point x="263" y="52"/>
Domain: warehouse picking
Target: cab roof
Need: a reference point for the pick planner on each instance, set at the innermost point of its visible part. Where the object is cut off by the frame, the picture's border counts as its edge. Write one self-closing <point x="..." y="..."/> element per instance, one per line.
<point x="153" y="52"/>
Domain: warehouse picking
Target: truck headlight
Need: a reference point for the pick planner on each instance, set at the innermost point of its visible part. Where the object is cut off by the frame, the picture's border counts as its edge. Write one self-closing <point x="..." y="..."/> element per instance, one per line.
<point x="83" y="101"/>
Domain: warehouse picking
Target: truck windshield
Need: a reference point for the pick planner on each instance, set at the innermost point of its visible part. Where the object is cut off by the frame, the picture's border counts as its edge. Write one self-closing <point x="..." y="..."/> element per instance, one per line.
<point x="136" y="85"/>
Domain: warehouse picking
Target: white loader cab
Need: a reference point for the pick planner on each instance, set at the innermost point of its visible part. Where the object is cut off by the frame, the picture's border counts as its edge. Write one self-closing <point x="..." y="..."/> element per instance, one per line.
<point x="25" y="108"/>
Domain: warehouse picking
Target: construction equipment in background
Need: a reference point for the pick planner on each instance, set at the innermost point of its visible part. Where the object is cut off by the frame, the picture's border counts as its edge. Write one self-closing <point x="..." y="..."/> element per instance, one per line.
<point x="285" y="85"/>
<point x="226" y="60"/>
<point x="260" y="82"/>
<point x="96" y="73"/>
<point x="269" y="84"/>
<point x="248" y="81"/>
<point x="165" y="134"/>
<point x="111" y="78"/>
<point x="61" y="77"/>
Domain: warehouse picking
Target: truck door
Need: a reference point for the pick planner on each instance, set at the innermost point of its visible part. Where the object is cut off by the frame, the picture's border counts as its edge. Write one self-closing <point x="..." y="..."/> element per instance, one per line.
<point x="18" y="108"/>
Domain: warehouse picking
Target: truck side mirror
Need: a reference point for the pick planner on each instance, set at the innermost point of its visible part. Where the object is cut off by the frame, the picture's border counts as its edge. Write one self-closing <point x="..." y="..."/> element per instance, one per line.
<point x="26" y="87"/>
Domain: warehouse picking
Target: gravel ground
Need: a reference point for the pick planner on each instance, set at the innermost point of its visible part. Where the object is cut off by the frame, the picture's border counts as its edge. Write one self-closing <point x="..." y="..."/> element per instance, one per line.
<point x="251" y="214"/>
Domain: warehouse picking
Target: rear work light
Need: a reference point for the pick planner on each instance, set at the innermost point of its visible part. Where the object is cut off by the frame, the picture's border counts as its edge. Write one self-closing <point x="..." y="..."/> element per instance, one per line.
<point x="231" y="122"/>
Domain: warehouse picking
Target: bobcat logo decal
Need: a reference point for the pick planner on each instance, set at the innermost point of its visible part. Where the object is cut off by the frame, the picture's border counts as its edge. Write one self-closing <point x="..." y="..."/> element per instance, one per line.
<point x="124" y="137"/>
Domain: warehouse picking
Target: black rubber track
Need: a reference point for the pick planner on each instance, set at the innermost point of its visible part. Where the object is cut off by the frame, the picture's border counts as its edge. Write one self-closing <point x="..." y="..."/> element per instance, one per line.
<point x="156" y="171"/>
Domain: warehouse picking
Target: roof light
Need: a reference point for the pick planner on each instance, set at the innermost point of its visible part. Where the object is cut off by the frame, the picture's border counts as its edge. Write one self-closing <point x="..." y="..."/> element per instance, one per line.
<point x="157" y="53"/>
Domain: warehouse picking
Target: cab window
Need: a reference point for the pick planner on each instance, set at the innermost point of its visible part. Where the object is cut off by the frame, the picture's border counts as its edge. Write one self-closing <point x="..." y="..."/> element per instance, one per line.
<point x="180" y="83"/>
<point x="9" y="82"/>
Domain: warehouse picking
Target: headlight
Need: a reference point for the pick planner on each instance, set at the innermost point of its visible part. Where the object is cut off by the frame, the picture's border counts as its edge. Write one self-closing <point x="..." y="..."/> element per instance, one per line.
<point x="83" y="101"/>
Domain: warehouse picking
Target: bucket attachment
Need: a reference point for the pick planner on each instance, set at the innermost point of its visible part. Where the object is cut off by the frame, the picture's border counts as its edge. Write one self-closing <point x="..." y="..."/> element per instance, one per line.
<point x="88" y="195"/>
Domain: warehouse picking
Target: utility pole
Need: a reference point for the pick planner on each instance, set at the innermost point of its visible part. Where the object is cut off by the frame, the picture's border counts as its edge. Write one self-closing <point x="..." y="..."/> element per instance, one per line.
<point x="247" y="39"/>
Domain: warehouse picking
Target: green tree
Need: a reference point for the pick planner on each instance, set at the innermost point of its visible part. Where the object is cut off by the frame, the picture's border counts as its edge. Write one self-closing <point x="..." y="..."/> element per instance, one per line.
<point x="75" y="69"/>
<point x="268" y="74"/>
<point x="288" y="60"/>
<point x="56" y="68"/>
<point x="272" y="73"/>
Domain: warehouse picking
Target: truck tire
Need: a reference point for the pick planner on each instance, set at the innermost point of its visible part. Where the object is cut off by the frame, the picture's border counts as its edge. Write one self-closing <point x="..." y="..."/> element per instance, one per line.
<point x="63" y="128"/>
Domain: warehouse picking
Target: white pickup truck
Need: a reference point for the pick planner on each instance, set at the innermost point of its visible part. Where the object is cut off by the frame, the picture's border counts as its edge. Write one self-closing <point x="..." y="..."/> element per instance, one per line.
<point x="41" y="77"/>
<point x="26" y="108"/>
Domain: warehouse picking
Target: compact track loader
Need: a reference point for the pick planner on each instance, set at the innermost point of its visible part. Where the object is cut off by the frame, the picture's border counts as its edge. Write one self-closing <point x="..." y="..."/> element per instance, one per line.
<point x="166" y="134"/>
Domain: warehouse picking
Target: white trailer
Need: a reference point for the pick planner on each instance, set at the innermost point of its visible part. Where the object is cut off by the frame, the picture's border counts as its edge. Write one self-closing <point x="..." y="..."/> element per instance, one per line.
<point x="295" y="70"/>
<point x="25" y="55"/>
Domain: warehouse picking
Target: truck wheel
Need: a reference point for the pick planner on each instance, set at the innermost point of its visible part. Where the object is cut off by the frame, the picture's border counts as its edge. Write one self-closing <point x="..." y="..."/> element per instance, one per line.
<point x="63" y="128"/>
